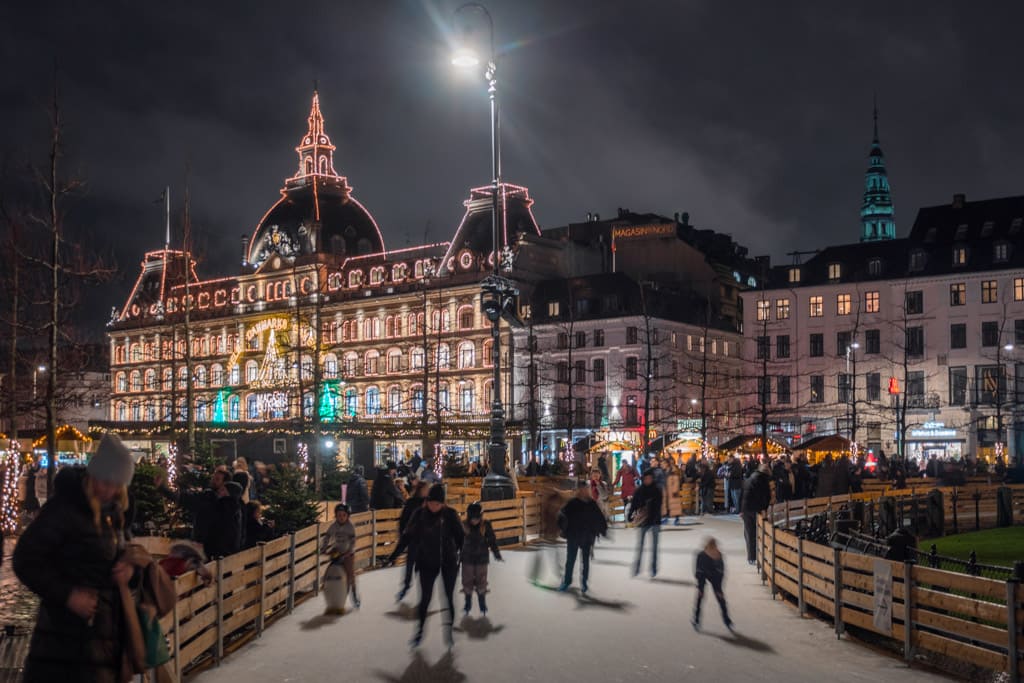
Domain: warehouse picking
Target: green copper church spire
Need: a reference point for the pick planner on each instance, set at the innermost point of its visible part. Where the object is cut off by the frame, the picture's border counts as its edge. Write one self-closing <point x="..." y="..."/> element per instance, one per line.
<point x="876" y="213"/>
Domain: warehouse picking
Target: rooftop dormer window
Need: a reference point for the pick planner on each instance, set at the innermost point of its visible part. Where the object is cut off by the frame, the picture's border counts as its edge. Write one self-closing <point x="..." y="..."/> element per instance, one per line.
<point x="875" y="267"/>
<point x="961" y="232"/>
<point x="794" y="275"/>
<point x="986" y="228"/>
<point x="835" y="270"/>
<point x="1015" y="225"/>
<point x="1001" y="252"/>
<point x="917" y="259"/>
<point x="929" y="236"/>
<point x="959" y="255"/>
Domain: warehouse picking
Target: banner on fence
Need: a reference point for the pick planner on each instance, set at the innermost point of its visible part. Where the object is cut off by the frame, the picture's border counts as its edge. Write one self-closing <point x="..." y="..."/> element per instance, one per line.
<point x="883" y="597"/>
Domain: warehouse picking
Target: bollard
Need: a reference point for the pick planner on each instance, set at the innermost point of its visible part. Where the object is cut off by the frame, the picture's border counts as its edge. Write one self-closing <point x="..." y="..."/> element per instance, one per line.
<point x="936" y="513"/>
<point x="1004" y="506"/>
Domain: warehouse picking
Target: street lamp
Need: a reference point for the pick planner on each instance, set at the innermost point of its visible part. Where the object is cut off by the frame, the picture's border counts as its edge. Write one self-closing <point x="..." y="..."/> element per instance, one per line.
<point x="498" y="293"/>
<point x="851" y="378"/>
<point x="39" y="369"/>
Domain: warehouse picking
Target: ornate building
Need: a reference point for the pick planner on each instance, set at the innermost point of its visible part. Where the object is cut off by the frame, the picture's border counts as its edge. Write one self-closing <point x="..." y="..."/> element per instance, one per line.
<point x="325" y="334"/>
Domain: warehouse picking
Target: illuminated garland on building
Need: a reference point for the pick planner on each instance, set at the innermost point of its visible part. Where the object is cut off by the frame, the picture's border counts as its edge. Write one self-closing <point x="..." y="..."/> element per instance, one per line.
<point x="854" y="450"/>
<point x="172" y="464"/>
<point x="438" y="465"/>
<point x="11" y="463"/>
<point x="705" y="450"/>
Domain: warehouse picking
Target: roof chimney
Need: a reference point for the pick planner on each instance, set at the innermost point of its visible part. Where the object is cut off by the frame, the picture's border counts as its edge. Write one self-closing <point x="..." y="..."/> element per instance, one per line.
<point x="958" y="200"/>
<point x="590" y="217"/>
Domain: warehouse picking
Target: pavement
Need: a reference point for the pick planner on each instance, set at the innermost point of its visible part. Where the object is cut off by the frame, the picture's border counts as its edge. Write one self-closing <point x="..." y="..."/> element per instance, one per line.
<point x="625" y="629"/>
<point x="18" y="605"/>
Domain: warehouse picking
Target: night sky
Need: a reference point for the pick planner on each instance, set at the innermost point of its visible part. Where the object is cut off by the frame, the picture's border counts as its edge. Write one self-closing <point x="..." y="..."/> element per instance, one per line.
<point x="754" y="117"/>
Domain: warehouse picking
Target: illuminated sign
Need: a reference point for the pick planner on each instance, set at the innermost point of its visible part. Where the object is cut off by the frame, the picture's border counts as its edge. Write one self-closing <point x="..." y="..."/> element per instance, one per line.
<point x="933" y="430"/>
<point x="631" y="437"/>
<point x="667" y="230"/>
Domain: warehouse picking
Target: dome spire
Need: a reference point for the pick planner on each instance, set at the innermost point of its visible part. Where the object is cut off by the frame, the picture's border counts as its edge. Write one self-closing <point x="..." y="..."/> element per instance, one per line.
<point x="316" y="153"/>
<point x="876" y="212"/>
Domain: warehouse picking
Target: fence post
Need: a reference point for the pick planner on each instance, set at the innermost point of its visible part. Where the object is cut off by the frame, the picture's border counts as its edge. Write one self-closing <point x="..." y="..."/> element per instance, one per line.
<point x="956" y="522"/>
<point x="316" y="571"/>
<point x="373" y="539"/>
<point x="908" y="606"/>
<point x="977" y="510"/>
<point x="837" y="588"/>
<point x="263" y="588"/>
<point x="771" y="579"/>
<point x="800" y="576"/>
<point x="1012" y="629"/>
<point x="220" y="610"/>
<point x="788" y="527"/>
<point x="291" y="572"/>
<point x="176" y="625"/>
<point x="522" y="511"/>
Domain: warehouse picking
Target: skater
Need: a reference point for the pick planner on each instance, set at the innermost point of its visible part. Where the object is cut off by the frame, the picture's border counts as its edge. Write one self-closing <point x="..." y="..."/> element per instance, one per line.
<point x="581" y="522"/>
<point x="757" y="496"/>
<point x="710" y="568"/>
<point x="415" y="502"/>
<point x="437" y="532"/>
<point x="706" y="487"/>
<point x="627" y="476"/>
<point x="340" y="542"/>
<point x="479" y="540"/>
<point x="645" y="511"/>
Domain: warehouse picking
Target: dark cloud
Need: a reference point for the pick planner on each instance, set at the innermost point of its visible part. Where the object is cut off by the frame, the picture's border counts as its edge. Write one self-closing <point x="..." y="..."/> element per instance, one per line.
<point x="753" y="117"/>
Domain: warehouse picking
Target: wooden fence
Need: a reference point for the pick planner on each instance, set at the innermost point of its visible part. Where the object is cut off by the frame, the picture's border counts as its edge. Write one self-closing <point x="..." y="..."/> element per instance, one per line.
<point x="252" y="588"/>
<point x="966" y="618"/>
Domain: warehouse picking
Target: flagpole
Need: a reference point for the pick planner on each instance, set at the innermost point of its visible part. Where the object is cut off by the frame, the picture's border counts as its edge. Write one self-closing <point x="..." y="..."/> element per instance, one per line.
<point x="167" y="215"/>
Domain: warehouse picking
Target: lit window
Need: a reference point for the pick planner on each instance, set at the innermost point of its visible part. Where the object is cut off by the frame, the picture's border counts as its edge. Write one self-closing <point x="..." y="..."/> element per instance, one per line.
<point x="763" y="310"/>
<point x="817" y="307"/>
<point x="834" y="271"/>
<point x="958" y="294"/>
<point x="843" y="304"/>
<point x="1018" y="289"/>
<point x="871" y="302"/>
<point x="959" y="256"/>
<point x="989" y="292"/>
<point x="794" y="275"/>
<point x="782" y="309"/>
<point x="553" y="309"/>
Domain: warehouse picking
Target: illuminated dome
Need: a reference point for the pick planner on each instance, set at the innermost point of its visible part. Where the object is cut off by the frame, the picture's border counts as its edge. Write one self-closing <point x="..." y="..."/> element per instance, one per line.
<point x="316" y="212"/>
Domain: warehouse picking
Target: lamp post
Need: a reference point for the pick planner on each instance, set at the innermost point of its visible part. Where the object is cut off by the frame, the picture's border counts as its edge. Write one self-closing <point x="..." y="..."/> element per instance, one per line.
<point x="497" y="292"/>
<point x="1000" y="447"/>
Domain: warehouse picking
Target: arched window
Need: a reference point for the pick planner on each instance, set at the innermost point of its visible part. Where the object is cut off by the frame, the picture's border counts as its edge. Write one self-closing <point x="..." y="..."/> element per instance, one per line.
<point x="389" y="326"/>
<point x="323" y="165"/>
<point x="413" y="329"/>
<point x="330" y="366"/>
<point x="351" y="364"/>
<point x="466" y="397"/>
<point x="202" y="408"/>
<point x="394" y="361"/>
<point x="167" y="379"/>
<point x="147" y="351"/>
<point x="119" y="355"/>
<point x="135" y="353"/>
<point x="182" y="377"/>
<point x="234" y="405"/>
<point x="376" y="275"/>
<point x="489" y="393"/>
<point x="417" y="359"/>
<point x="466" y="318"/>
<point x="149" y="380"/>
<point x="486" y="355"/>
<point x="346" y="330"/>
<point x="394" y="400"/>
<point x="467" y="355"/>
<point x="416" y="394"/>
<point x="372" y="362"/>
<point x="216" y="375"/>
<point x="136" y="411"/>
<point x="307" y="368"/>
<point x="307" y="405"/>
<point x="235" y="375"/>
<point x="372" y="401"/>
<point x="355" y="278"/>
<point x="200" y="375"/>
<point x="135" y="382"/>
<point x="121" y="412"/>
<point x="252" y="409"/>
<point x="444" y="359"/>
<point x="443" y="397"/>
<point x="252" y="371"/>
<point x="121" y="382"/>
<point x="351" y="402"/>
<point x="309" y="165"/>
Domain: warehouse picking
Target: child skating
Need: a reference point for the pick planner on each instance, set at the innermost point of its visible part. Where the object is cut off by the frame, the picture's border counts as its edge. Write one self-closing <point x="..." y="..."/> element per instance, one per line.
<point x="340" y="575"/>
<point x="710" y="567"/>
<point x="475" y="557"/>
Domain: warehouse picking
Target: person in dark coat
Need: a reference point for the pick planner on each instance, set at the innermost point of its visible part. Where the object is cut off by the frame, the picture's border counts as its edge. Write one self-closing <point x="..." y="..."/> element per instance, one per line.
<point x="385" y="494"/>
<point x="479" y="540"/>
<point x="581" y="522"/>
<point x="734" y="484"/>
<point x="216" y="513"/>
<point x="437" y="532"/>
<point x="69" y="557"/>
<point x="706" y="484"/>
<point x="602" y="464"/>
<point x="645" y="510"/>
<point x="356" y="496"/>
<point x="785" y="480"/>
<point x="257" y="530"/>
<point x="710" y="568"/>
<point x="757" y="496"/>
<point x="841" y="477"/>
<point x="415" y="502"/>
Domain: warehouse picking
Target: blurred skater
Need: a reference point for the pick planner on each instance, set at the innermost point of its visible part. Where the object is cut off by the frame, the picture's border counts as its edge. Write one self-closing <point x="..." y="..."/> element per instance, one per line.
<point x="710" y="567"/>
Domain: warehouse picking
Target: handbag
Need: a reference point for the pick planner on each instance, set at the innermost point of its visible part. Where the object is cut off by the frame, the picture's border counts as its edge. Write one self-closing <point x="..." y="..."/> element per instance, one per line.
<point x="153" y="639"/>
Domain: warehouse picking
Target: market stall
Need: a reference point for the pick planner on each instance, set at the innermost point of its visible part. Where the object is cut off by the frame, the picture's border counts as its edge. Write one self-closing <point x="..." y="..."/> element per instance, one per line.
<point x="818" y="447"/>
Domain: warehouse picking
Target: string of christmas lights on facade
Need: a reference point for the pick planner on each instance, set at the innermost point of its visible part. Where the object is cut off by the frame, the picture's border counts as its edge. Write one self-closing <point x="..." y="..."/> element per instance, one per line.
<point x="172" y="464"/>
<point x="11" y="466"/>
<point x="303" y="450"/>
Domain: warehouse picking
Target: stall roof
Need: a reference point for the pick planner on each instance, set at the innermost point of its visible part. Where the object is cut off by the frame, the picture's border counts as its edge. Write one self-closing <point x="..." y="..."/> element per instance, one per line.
<point x="740" y="443"/>
<point x="826" y="442"/>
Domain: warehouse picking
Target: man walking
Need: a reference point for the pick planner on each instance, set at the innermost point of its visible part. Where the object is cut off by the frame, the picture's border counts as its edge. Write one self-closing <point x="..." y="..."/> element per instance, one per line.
<point x="757" y="495"/>
<point x="581" y="522"/>
<point x="645" y="511"/>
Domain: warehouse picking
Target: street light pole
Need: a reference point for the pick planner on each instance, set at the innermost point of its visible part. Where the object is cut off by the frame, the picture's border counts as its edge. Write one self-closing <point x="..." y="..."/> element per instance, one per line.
<point x="498" y="290"/>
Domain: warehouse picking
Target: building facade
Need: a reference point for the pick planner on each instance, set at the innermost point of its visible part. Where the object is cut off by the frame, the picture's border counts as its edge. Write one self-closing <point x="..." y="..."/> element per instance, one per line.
<point x="326" y="338"/>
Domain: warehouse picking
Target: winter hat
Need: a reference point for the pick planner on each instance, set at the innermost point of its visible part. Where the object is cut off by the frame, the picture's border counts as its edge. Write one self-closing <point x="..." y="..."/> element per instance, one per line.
<point x="112" y="462"/>
<point x="436" y="494"/>
<point x="474" y="511"/>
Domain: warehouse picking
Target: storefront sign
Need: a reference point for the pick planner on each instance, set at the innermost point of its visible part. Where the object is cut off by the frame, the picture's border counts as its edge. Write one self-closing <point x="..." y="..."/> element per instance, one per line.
<point x="933" y="430"/>
<point x="631" y="437"/>
<point x="668" y="230"/>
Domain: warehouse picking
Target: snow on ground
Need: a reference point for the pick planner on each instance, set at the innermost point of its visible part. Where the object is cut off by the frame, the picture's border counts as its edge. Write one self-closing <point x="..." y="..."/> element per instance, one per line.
<point x="628" y="629"/>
